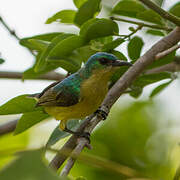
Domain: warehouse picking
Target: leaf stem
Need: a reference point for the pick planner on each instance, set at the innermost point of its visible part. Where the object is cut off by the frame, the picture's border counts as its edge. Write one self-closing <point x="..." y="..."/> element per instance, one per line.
<point x="142" y="24"/>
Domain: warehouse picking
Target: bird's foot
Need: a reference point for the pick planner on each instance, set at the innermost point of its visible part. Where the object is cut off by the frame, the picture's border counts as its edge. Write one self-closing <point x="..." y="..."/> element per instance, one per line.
<point x="85" y="135"/>
<point x="101" y="113"/>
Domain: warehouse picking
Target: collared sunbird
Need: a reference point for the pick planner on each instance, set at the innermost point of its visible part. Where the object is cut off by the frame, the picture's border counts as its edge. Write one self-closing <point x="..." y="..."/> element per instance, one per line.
<point x="81" y="93"/>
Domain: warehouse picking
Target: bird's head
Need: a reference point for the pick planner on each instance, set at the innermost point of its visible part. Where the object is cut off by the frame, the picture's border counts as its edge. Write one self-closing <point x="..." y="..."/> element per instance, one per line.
<point x="104" y="62"/>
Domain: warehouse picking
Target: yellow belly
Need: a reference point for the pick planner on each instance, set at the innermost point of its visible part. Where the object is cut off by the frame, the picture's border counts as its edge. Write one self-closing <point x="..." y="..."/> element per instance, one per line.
<point x="93" y="92"/>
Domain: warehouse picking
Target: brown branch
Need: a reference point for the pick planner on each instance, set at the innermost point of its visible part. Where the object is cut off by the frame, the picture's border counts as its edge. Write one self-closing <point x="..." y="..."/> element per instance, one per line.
<point x="120" y="86"/>
<point x="166" y="15"/>
<point x="19" y="75"/>
<point x="166" y="52"/>
<point x="8" y="127"/>
<point x="142" y="24"/>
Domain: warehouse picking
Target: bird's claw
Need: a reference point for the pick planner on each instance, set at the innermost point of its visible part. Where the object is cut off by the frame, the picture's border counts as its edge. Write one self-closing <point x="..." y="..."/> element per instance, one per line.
<point x="101" y="114"/>
<point x="85" y="135"/>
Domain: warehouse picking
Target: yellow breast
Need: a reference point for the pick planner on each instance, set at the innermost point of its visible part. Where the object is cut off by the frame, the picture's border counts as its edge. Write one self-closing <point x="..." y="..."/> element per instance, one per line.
<point x="93" y="91"/>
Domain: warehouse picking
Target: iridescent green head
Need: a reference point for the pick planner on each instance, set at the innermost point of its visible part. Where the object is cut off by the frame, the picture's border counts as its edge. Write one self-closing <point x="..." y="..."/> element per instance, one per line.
<point x="106" y="61"/>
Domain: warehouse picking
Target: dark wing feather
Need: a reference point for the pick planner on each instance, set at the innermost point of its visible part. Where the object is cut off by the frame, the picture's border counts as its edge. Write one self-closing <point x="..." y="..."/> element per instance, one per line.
<point x="67" y="95"/>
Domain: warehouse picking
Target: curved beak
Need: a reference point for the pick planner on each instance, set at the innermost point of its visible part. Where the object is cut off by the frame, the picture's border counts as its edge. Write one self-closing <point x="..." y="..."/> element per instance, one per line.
<point x="121" y="63"/>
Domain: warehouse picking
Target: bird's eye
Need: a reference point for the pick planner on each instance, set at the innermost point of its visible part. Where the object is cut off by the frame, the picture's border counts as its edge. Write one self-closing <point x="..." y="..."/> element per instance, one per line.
<point x="103" y="61"/>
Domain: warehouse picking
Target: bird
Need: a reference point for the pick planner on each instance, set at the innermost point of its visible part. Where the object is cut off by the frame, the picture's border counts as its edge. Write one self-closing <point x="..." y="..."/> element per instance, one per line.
<point x="81" y="93"/>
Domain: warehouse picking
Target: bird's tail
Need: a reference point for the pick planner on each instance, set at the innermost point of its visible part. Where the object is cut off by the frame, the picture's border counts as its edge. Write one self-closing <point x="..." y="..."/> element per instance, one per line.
<point x="35" y="96"/>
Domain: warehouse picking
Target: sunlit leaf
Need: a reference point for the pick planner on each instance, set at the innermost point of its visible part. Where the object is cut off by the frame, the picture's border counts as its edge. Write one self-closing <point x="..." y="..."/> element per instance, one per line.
<point x="160" y="88"/>
<point x="134" y="48"/>
<point x="18" y="105"/>
<point x="64" y="16"/>
<point x="29" y="119"/>
<point x="92" y="29"/>
<point x="87" y="11"/>
<point x="128" y="8"/>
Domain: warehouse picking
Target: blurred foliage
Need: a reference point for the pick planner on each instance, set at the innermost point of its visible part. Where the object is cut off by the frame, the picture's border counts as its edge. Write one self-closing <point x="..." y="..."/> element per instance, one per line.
<point x="129" y="137"/>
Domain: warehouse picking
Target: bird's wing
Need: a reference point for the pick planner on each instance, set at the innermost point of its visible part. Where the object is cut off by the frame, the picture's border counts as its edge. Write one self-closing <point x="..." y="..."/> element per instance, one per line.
<point x="65" y="95"/>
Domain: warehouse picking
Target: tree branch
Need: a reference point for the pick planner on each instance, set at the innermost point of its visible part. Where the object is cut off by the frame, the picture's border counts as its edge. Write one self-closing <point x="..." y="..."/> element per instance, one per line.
<point x="19" y="75"/>
<point x="8" y="127"/>
<point x="166" y="52"/>
<point x="122" y="84"/>
<point x="166" y="15"/>
<point x="142" y="24"/>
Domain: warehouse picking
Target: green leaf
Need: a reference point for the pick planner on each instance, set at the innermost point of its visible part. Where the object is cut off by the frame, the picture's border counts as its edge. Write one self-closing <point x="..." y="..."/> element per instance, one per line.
<point x="65" y="47"/>
<point x="64" y="16"/>
<point x="160" y="88"/>
<point x="175" y="10"/>
<point x="165" y="60"/>
<point x="87" y="11"/>
<point x="2" y="61"/>
<point x="147" y="79"/>
<point x="155" y="32"/>
<point x="79" y="3"/>
<point x="150" y="16"/>
<point x="29" y="119"/>
<point x="92" y="29"/>
<point x="65" y="63"/>
<point x="28" y="166"/>
<point x="112" y="45"/>
<point x="57" y="134"/>
<point x="128" y="8"/>
<point x="43" y="37"/>
<point x="98" y="43"/>
<point x="41" y="61"/>
<point x="82" y="54"/>
<point x="134" y="47"/>
<point x="37" y="44"/>
<point x="18" y="105"/>
<point x="120" y="55"/>
<point x="136" y="91"/>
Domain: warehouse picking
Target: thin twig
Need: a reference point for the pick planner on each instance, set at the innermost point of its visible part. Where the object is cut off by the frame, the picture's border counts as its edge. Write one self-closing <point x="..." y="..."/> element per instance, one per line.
<point x="166" y="15"/>
<point x="19" y="75"/>
<point x="133" y="72"/>
<point x="142" y="24"/>
<point x="8" y="127"/>
<point x="166" y="52"/>
<point x="13" y="33"/>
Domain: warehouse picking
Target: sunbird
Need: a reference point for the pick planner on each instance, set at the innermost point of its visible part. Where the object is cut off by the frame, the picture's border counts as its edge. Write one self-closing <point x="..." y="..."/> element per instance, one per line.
<point x="81" y="93"/>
